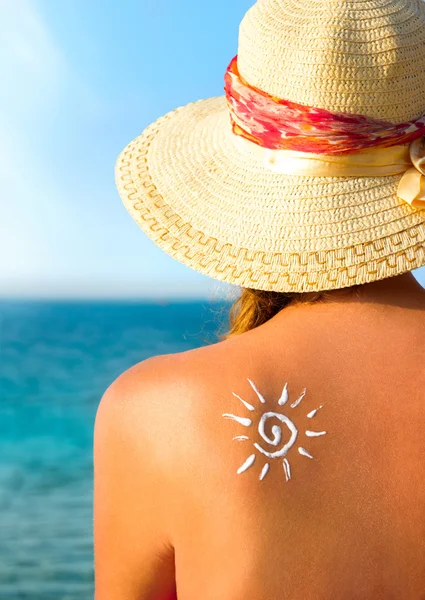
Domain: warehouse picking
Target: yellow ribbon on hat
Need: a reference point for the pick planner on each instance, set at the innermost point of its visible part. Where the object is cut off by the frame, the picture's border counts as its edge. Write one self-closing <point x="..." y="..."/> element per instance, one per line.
<point x="412" y="185"/>
<point x="373" y="162"/>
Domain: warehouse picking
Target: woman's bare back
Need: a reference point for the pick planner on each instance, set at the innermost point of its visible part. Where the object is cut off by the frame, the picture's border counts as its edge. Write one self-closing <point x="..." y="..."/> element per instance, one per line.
<point x="339" y="515"/>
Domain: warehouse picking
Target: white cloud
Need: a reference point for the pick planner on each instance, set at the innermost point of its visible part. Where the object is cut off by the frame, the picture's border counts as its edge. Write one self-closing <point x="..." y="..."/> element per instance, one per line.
<point x="31" y="62"/>
<point x="26" y="38"/>
<point x="35" y="75"/>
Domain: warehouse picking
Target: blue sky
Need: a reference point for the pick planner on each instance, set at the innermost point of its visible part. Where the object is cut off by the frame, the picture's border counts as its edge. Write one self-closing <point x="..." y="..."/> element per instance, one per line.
<point x="80" y="79"/>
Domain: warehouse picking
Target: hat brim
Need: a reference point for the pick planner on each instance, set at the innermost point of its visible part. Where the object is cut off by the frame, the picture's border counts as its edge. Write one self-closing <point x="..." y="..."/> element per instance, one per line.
<point x="213" y="206"/>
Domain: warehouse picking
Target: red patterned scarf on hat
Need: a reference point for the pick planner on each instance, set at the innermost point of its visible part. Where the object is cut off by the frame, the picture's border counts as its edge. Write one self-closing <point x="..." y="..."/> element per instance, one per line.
<point x="279" y="124"/>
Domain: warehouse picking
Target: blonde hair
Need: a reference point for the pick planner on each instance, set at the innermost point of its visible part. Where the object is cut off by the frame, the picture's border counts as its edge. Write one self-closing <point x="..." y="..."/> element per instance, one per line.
<point x="255" y="307"/>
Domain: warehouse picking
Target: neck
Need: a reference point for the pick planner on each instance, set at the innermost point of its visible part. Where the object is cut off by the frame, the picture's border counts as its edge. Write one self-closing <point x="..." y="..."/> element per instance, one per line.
<point x="401" y="290"/>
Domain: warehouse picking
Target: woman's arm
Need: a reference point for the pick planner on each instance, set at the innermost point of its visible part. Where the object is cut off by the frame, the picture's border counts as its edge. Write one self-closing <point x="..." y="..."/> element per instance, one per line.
<point x="134" y="557"/>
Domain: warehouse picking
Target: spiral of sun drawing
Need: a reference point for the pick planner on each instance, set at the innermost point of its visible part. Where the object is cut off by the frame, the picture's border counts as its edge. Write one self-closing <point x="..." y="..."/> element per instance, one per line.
<point x="273" y="441"/>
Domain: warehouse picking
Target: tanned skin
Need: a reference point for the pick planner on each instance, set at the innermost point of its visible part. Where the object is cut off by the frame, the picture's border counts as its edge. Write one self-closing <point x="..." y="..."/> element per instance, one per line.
<point x="170" y="509"/>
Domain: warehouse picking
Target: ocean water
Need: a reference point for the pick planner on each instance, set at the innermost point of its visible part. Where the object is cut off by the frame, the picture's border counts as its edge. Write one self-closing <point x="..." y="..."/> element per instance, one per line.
<point x="56" y="360"/>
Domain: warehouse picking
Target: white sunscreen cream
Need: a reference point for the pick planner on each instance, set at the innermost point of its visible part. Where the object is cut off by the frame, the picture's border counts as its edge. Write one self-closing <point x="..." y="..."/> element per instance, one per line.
<point x="286" y="438"/>
<point x="248" y="463"/>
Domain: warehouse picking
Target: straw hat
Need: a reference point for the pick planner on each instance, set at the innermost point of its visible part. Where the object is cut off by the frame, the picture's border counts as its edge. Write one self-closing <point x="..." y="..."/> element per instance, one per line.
<point x="201" y="193"/>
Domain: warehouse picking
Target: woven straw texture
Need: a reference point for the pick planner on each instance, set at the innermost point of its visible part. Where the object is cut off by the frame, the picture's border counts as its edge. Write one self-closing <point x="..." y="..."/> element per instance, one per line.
<point x="208" y="201"/>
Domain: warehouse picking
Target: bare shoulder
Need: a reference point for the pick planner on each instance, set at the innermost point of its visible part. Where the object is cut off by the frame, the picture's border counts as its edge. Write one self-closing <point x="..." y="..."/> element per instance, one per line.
<point x="144" y="425"/>
<point x="151" y="398"/>
<point x="158" y="376"/>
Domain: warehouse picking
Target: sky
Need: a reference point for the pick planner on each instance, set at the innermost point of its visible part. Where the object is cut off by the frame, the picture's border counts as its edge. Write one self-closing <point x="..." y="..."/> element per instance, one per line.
<point x="80" y="80"/>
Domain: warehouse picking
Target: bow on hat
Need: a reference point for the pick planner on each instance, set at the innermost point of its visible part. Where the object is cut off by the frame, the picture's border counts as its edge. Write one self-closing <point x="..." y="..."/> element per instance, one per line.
<point x="412" y="185"/>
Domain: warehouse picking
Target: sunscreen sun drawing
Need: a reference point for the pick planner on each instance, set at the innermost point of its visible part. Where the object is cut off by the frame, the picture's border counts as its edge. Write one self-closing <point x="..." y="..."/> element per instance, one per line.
<point x="276" y="431"/>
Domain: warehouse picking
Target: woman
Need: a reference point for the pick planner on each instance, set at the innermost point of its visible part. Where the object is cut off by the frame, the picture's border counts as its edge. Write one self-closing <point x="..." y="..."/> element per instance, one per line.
<point x="286" y="461"/>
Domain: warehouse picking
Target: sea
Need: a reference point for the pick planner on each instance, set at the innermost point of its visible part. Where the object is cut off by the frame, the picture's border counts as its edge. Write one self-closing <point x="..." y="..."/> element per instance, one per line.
<point x="56" y="360"/>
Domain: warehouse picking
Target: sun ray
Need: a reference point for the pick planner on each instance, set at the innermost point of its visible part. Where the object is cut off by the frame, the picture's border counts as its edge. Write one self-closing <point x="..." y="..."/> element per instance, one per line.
<point x="247" y="464"/>
<point x="242" y="420"/>
<point x="248" y="406"/>
<point x="298" y="400"/>
<point x="285" y="396"/>
<point x="304" y="452"/>
<point x="264" y="471"/>
<point x="314" y="412"/>
<point x="240" y="438"/>
<point x="314" y="433"/>
<point x="254" y="387"/>
<point x="287" y="468"/>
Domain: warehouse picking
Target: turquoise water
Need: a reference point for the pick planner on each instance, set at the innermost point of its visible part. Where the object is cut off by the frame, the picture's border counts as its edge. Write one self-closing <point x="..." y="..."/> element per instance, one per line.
<point x="56" y="360"/>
